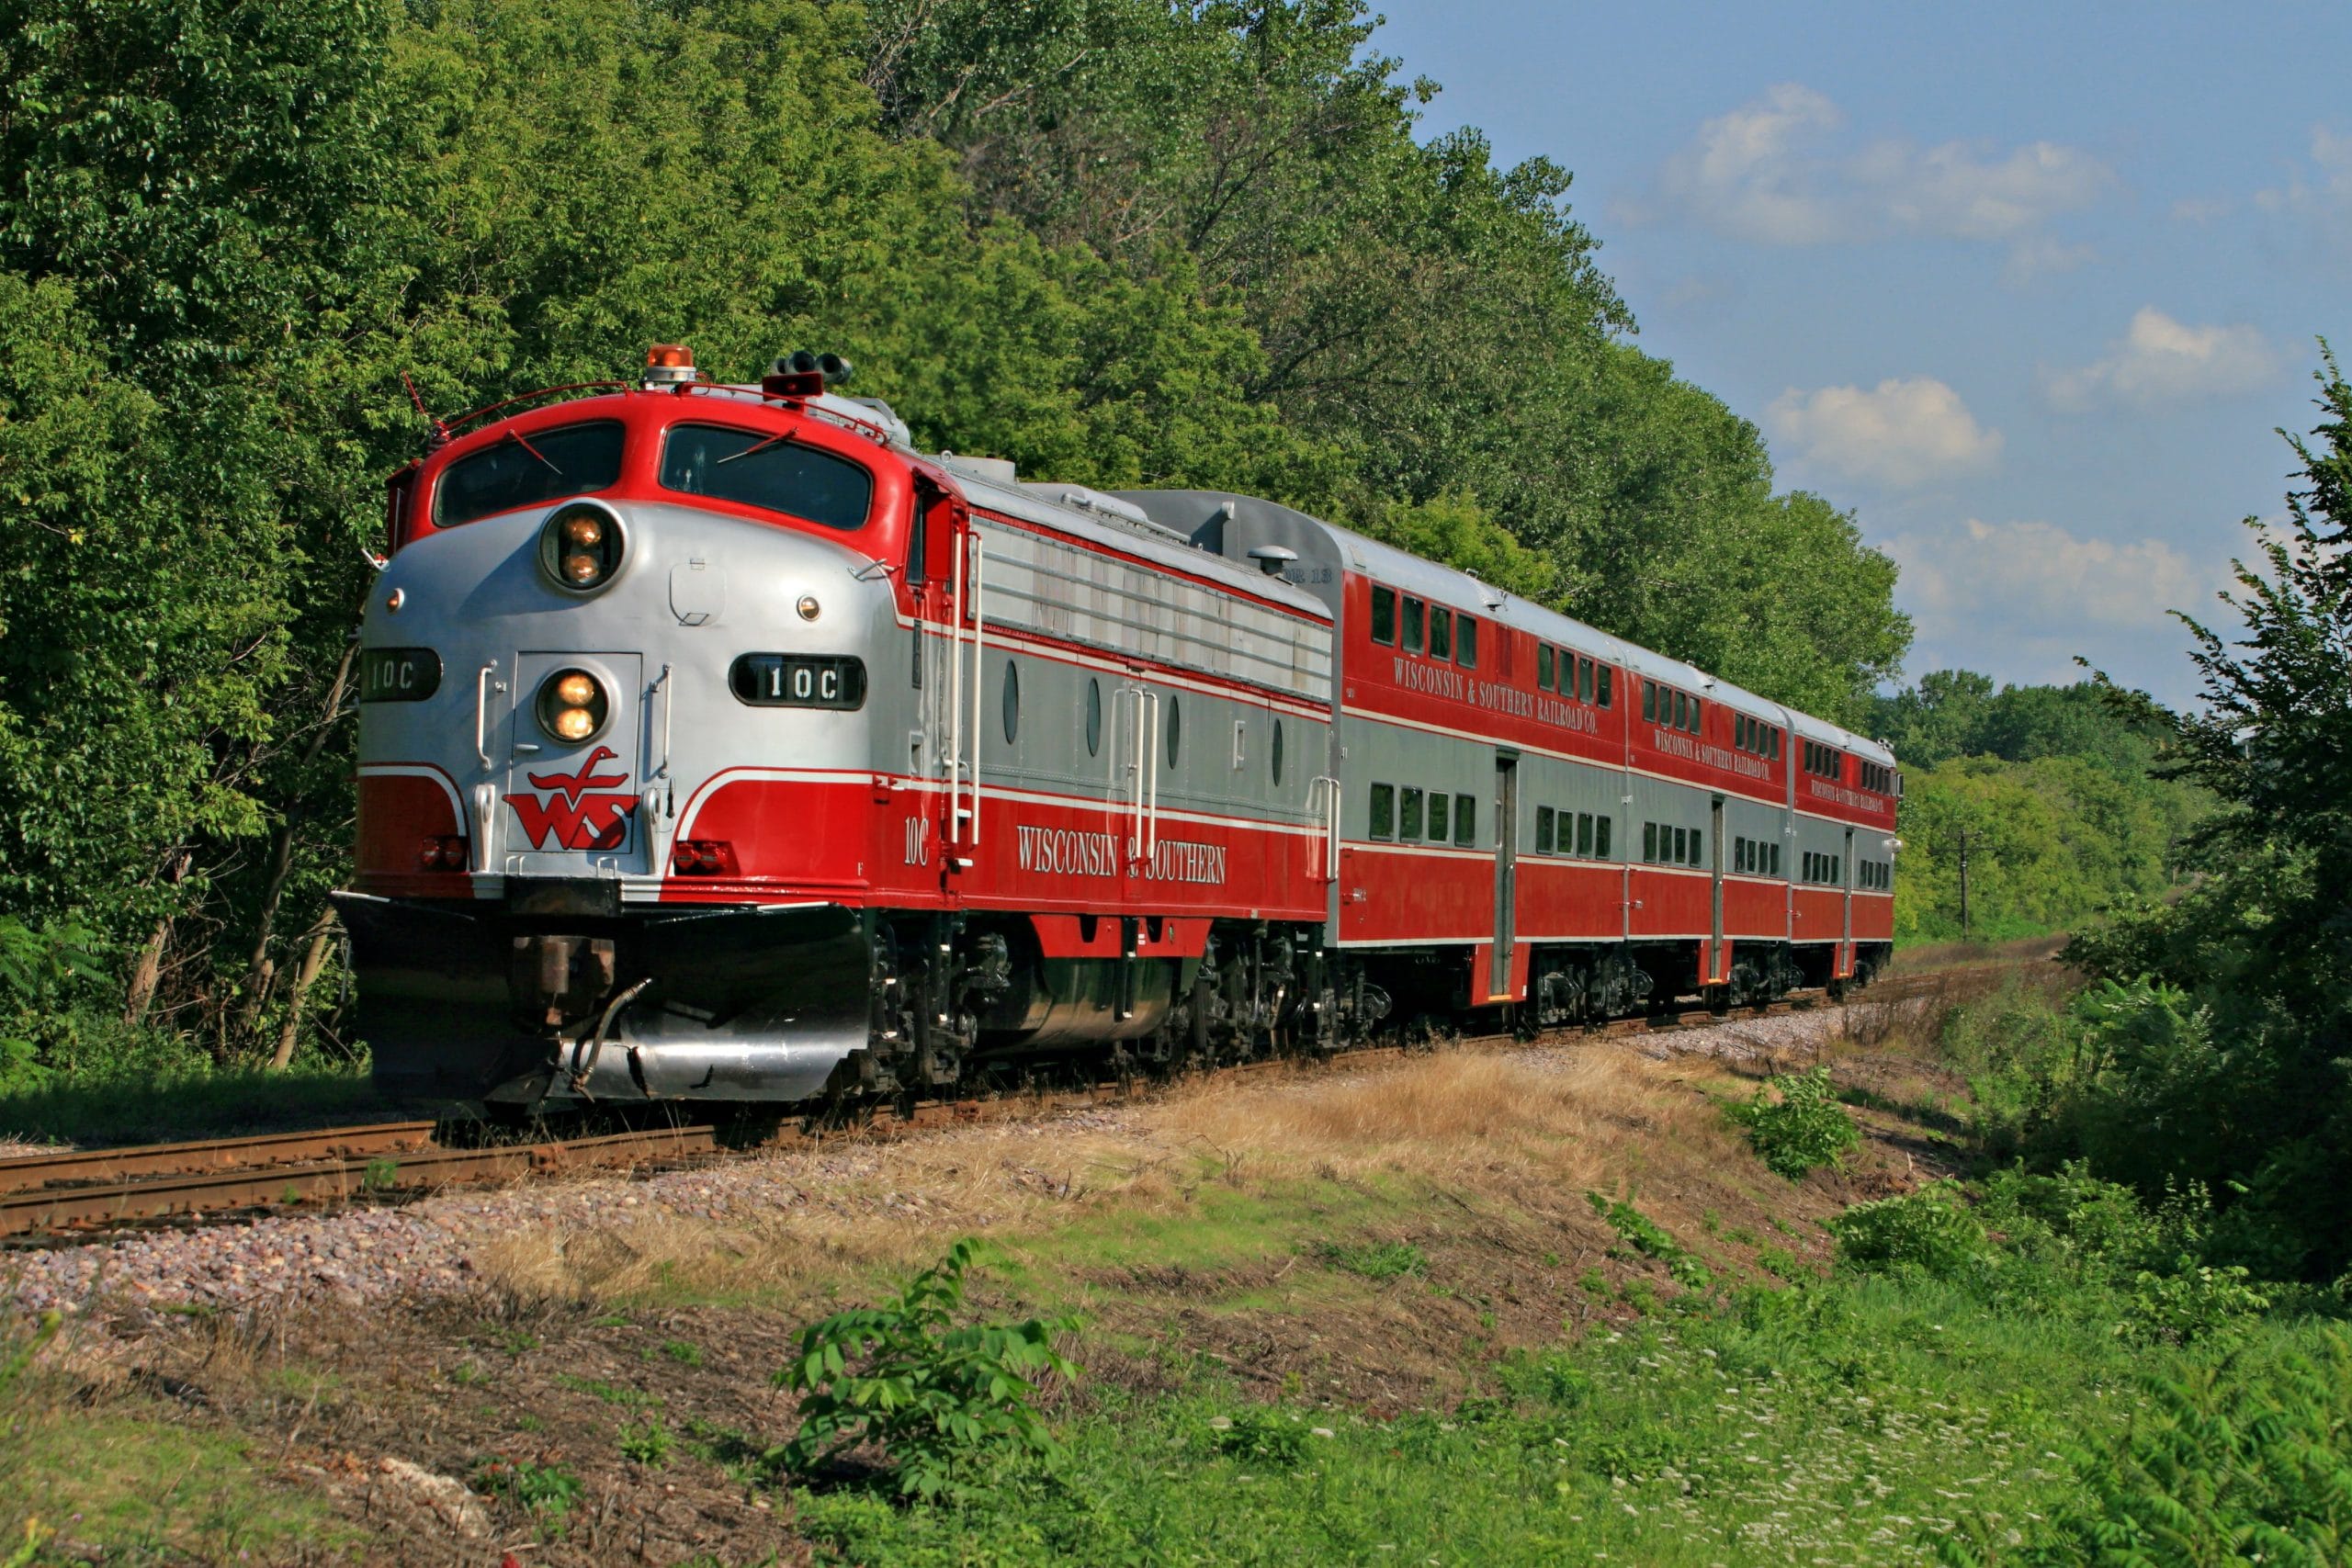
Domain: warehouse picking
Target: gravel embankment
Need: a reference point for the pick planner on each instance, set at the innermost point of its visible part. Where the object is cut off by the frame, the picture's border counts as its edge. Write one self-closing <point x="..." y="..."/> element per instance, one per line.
<point x="428" y="1248"/>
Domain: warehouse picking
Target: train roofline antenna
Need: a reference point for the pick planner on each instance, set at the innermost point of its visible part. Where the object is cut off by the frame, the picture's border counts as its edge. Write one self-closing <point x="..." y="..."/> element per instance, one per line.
<point x="440" y="436"/>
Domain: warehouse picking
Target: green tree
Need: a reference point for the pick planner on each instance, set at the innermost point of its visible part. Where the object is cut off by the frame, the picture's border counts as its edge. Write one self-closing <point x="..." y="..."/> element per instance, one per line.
<point x="2262" y="946"/>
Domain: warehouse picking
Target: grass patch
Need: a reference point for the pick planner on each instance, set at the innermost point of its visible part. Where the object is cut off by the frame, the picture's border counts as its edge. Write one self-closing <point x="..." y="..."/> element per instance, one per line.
<point x="139" y="1478"/>
<point x="191" y="1104"/>
<point x="1377" y="1260"/>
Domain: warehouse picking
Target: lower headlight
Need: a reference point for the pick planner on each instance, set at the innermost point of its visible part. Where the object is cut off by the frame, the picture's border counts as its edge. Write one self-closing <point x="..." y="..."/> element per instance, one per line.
<point x="573" y="705"/>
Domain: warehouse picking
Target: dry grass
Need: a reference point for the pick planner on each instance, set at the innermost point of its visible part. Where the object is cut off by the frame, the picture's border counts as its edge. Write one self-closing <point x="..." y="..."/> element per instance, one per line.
<point x="1498" y="1133"/>
<point x="2014" y="954"/>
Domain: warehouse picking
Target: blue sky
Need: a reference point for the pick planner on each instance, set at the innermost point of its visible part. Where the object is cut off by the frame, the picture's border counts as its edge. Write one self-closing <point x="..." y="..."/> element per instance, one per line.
<point x="2027" y="287"/>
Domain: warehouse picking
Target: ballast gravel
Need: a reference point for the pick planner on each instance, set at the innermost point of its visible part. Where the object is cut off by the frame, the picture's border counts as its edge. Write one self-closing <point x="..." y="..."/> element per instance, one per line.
<point x="427" y="1248"/>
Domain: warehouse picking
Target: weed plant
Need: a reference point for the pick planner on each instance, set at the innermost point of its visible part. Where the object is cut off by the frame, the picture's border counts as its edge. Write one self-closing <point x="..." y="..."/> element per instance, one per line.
<point x="1800" y="1130"/>
<point x="946" y="1403"/>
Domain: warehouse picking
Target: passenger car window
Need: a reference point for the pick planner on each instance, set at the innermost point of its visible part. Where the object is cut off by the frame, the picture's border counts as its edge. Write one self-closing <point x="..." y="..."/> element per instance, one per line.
<point x="1384" y="615"/>
<point x="1441" y="632"/>
<point x="1408" y="824"/>
<point x="784" y="477"/>
<point x="1413" y="613"/>
<point x="1438" y="833"/>
<point x="1466" y="820"/>
<point x="1466" y="642"/>
<point x="1383" y="811"/>
<point x="1543" y="666"/>
<point x="525" y="470"/>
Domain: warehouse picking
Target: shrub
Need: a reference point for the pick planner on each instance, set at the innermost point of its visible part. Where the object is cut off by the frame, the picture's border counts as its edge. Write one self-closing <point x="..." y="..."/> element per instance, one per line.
<point x="2192" y="1303"/>
<point x="1804" y="1129"/>
<point x="942" y="1402"/>
<point x="42" y="967"/>
<point x="1931" y="1230"/>
<point x="1261" y="1436"/>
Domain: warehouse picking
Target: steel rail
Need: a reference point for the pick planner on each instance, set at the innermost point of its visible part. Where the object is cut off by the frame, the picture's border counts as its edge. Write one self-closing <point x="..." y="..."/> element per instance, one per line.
<point x="85" y="1167"/>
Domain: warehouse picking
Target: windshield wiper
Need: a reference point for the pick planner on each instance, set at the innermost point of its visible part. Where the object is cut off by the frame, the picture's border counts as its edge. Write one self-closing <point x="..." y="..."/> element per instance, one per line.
<point x="755" y="446"/>
<point x="516" y="437"/>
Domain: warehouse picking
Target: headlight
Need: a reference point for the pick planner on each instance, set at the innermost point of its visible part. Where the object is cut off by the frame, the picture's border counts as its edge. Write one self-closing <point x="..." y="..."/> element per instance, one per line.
<point x="573" y="705"/>
<point x="580" y="548"/>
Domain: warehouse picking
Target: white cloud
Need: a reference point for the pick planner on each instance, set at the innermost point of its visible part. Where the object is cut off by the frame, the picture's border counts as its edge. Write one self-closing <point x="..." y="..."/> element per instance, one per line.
<point x="1952" y="190"/>
<point x="1746" y="174"/>
<point x="1764" y="173"/>
<point x="2322" y="189"/>
<point x="2160" y="360"/>
<point x="2033" y="574"/>
<point x="2022" y="599"/>
<point x="1900" y="432"/>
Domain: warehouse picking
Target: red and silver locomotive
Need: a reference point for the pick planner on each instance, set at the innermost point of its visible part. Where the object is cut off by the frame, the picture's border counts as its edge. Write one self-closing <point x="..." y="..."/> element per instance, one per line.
<point x="717" y="744"/>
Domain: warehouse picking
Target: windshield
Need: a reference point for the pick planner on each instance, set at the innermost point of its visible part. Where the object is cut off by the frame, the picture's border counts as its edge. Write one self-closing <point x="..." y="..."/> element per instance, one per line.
<point x="767" y="472"/>
<point x="523" y="470"/>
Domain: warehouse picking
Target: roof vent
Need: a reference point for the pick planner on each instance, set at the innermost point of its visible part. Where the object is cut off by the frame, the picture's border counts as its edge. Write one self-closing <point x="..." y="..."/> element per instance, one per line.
<point x="1273" y="559"/>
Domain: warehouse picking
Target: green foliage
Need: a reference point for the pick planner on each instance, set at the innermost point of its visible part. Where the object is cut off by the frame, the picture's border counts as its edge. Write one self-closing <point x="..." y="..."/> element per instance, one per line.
<point x="1853" y="1420"/>
<point x="42" y="969"/>
<point x="1651" y="1239"/>
<point x="2199" y="1302"/>
<point x="684" y="1352"/>
<point x="943" y="1401"/>
<point x="1931" y="1230"/>
<point x="1261" y="1435"/>
<point x="548" y="1491"/>
<point x="2052" y="841"/>
<point x="1377" y="1261"/>
<point x="1804" y="1129"/>
<point x="648" y="1442"/>
<point x="2232" y="1463"/>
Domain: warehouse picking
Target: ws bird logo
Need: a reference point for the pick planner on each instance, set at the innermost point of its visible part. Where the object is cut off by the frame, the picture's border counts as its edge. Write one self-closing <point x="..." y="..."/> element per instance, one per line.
<point x="573" y="818"/>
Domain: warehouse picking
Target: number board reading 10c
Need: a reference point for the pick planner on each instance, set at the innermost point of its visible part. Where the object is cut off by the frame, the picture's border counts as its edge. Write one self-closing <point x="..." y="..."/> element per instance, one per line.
<point x="398" y="674"/>
<point x="799" y="681"/>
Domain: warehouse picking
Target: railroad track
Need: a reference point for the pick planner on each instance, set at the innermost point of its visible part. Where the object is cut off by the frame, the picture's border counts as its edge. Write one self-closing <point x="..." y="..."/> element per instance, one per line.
<point x="48" y="1199"/>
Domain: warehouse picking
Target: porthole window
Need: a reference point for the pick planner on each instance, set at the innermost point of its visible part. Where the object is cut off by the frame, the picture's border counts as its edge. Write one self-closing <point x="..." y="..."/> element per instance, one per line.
<point x="1094" y="718"/>
<point x="1012" y="701"/>
<point x="1175" y="729"/>
<point x="1278" y="751"/>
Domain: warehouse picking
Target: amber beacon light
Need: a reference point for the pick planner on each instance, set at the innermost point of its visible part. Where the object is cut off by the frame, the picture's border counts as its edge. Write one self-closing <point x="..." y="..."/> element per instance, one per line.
<point x="668" y="364"/>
